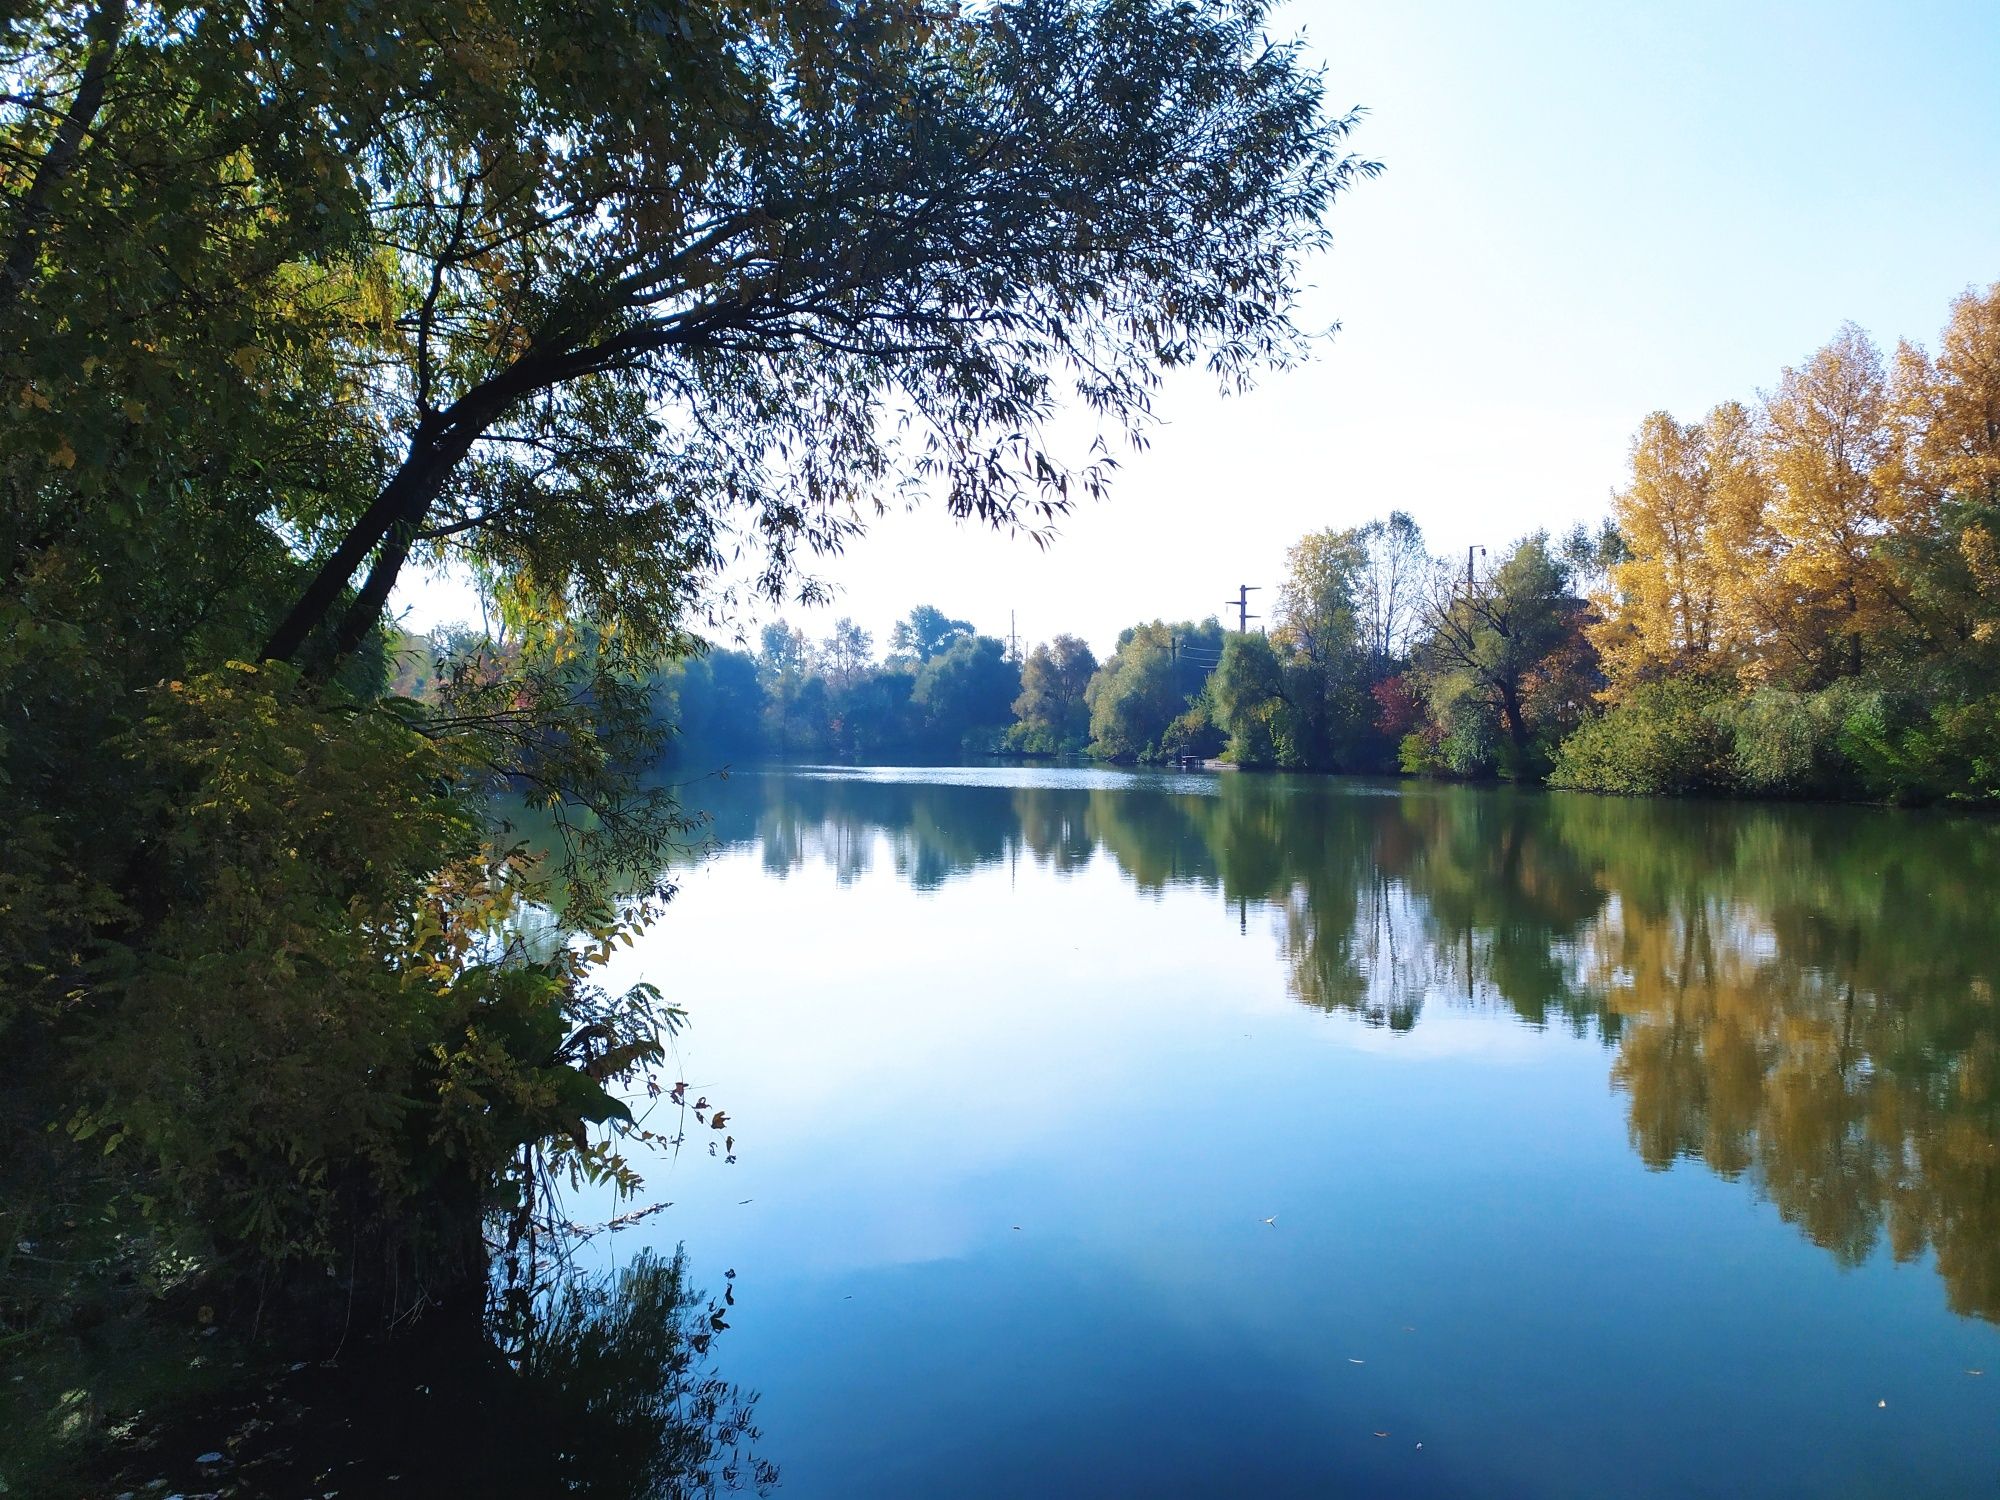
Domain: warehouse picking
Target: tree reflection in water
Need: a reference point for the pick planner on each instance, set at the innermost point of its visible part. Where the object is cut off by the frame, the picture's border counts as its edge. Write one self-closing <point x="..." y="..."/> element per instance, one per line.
<point x="1799" y="997"/>
<point x="605" y="1391"/>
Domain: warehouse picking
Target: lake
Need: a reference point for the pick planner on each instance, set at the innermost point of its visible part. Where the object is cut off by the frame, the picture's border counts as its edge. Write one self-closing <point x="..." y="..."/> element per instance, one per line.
<point x="1105" y="1134"/>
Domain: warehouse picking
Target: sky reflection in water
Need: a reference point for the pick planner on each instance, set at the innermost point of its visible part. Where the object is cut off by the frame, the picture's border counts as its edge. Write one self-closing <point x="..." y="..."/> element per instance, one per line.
<point x="1612" y="1148"/>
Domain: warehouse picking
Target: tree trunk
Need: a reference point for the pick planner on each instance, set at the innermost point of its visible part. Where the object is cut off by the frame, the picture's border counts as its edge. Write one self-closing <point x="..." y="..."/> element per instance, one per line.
<point x="1510" y="711"/>
<point x="391" y="522"/>
<point x="397" y="514"/>
<point x="360" y="616"/>
<point x="101" y="32"/>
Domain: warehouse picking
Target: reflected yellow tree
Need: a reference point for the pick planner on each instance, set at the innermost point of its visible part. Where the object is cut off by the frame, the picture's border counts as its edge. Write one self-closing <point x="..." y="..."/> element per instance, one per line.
<point x="1789" y="1019"/>
<point x="1796" y="997"/>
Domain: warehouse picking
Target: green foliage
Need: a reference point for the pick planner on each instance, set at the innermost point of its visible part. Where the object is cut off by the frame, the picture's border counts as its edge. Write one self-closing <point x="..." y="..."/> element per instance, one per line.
<point x="1193" y="733"/>
<point x="321" y="912"/>
<point x="1308" y="696"/>
<point x="1249" y="702"/>
<point x="1511" y="645"/>
<point x="1960" y="750"/>
<point x="1667" y="736"/>
<point x="1052" y="713"/>
<point x="1148" y="682"/>
<point x="968" y="691"/>
<point x="1325" y="653"/>
<point x="1900" y="747"/>
<point x="1844" y="741"/>
<point x="926" y="631"/>
<point x="1421" y="753"/>
<point x="713" y="703"/>
<point x="794" y="699"/>
<point x="1785" y="743"/>
<point x="1470" y="744"/>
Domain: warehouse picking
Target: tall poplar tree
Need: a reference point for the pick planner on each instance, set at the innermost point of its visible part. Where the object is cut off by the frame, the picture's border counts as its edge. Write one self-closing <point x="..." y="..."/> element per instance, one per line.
<point x="1825" y="445"/>
<point x="1687" y="596"/>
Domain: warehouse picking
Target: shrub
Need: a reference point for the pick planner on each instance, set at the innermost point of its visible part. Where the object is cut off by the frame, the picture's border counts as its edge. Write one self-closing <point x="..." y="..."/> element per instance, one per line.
<point x="1670" y="736"/>
<point x="1786" y="742"/>
<point x="1418" y="753"/>
<point x="1471" y="744"/>
<point x="1462" y="740"/>
<point x="1192" y="733"/>
<point x="1908" y="751"/>
<point x="1962" y="749"/>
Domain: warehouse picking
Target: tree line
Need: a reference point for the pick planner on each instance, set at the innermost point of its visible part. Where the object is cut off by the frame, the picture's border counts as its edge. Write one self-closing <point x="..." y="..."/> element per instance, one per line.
<point x="1796" y="597"/>
<point x="1359" y="675"/>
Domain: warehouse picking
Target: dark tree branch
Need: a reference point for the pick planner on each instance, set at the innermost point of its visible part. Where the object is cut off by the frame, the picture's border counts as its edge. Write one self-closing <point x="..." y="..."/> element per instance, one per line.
<point x="103" y="30"/>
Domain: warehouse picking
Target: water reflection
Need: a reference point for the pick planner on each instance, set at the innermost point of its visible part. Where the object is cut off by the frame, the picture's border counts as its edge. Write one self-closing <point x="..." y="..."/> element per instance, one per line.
<point x="1801" y="998"/>
<point x="603" y="1388"/>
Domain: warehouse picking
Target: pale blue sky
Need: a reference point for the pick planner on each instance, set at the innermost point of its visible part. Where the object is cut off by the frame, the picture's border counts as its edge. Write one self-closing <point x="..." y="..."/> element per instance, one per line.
<point x="1590" y="211"/>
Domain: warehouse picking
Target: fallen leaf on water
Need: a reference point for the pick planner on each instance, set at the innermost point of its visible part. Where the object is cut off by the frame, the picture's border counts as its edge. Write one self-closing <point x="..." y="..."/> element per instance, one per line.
<point x="1352" y="1361"/>
<point x="1881" y="1403"/>
<point x="1975" y="1372"/>
<point x="1272" y="1220"/>
<point x="1381" y="1434"/>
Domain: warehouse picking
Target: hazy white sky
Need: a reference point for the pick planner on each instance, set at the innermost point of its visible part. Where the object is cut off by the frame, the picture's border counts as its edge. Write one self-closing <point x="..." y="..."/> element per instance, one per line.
<point x="1590" y="211"/>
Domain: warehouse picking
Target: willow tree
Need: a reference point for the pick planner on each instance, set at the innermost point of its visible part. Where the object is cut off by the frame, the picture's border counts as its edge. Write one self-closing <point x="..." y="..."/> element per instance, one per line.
<point x="1051" y="712"/>
<point x="587" y="298"/>
<point x="771" y="266"/>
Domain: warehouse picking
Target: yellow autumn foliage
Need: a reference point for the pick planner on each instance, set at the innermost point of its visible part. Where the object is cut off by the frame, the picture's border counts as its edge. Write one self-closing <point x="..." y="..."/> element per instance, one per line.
<point x="1844" y="523"/>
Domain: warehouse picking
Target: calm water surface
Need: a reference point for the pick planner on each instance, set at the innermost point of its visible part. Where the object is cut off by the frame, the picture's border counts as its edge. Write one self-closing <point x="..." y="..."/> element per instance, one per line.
<point x="1105" y="1134"/>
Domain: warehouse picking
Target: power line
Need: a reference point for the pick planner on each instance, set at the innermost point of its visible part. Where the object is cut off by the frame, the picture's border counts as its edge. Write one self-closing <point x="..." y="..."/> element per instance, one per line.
<point x="1203" y="659"/>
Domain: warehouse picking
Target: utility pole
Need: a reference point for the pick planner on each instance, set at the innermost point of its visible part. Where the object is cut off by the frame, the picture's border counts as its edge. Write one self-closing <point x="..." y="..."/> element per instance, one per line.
<point x="1468" y="566"/>
<point x="1013" y="640"/>
<point x="1241" y="603"/>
